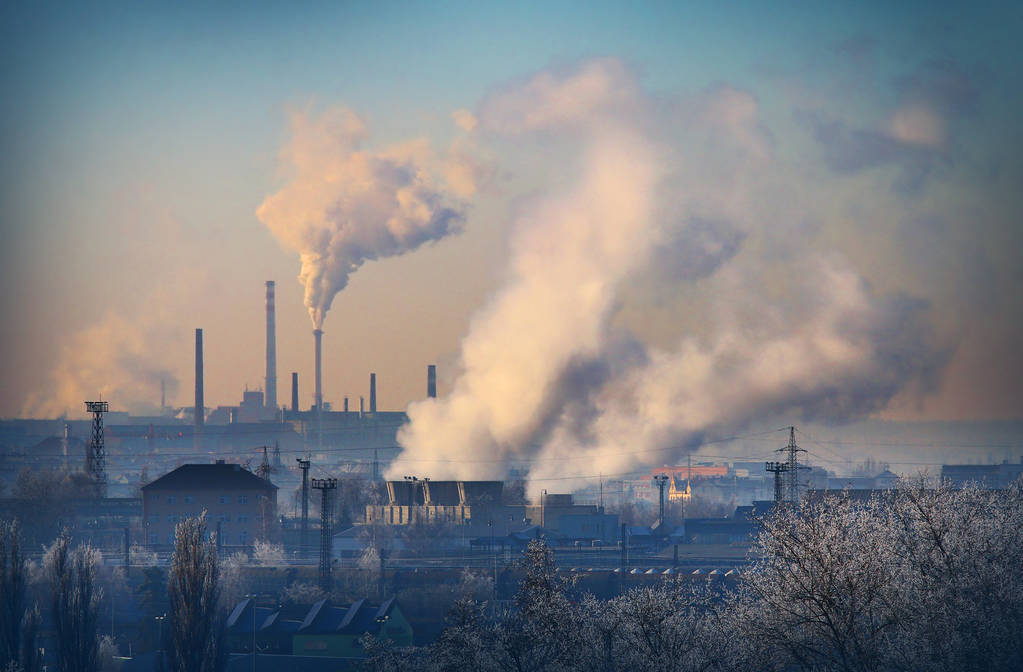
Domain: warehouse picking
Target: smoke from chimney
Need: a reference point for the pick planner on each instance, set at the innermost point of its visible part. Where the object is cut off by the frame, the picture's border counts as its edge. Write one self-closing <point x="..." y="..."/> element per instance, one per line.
<point x="294" y="391"/>
<point x="318" y="372"/>
<point x="271" y="348"/>
<point x="200" y="404"/>
<point x="348" y="205"/>
<point x="372" y="393"/>
<point x="431" y="381"/>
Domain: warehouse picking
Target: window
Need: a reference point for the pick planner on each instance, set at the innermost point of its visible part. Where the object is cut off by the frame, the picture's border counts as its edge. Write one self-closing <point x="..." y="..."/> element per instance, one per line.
<point x="170" y="538"/>
<point x="154" y="518"/>
<point x="243" y="499"/>
<point x="242" y="536"/>
<point x="242" y="518"/>
<point x="154" y="538"/>
<point x="223" y="538"/>
<point x="171" y="518"/>
<point x="315" y="645"/>
<point x="189" y="499"/>
<point x="224" y="518"/>
<point x="225" y="499"/>
<point x="172" y="499"/>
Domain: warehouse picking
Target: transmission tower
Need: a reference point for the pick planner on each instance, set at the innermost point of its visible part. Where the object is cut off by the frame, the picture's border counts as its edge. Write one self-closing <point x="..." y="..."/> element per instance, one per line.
<point x="327" y="487"/>
<point x="304" y="538"/>
<point x="96" y="455"/>
<point x="263" y="471"/>
<point x="661" y="480"/>
<point x="793" y="463"/>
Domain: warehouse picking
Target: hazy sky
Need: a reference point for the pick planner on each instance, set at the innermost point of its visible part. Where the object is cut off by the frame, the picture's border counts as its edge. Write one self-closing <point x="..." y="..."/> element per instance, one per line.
<point x="140" y="140"/>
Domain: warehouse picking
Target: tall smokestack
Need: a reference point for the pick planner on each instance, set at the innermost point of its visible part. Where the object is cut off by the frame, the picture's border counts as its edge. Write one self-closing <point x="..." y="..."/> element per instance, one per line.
<point x="346" y="404"/>
<point x="372" y="393"/>
<point x="318" y="373"/>
<point x="199" y="403"/>
<point x="294" y="391"/>
<point x="271" y="348"/>
<point x="431" y="381"/>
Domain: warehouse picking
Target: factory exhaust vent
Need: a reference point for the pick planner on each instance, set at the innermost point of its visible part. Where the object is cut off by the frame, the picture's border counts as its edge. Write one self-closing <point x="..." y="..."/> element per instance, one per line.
<point x="200" y="406"/>
<point x="271" y="348"/>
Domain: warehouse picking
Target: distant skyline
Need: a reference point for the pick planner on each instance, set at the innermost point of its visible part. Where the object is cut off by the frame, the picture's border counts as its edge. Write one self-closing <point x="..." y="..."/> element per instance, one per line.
<point x="871" y="149"/>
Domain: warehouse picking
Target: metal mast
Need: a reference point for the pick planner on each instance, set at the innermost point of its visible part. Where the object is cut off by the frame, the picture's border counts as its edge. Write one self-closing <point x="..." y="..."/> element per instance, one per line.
<point x="661" y="480"/>
<point x="778" y="468"/>
<point x="263" y="471"/>
<point x="304" y="539"/>
<point x="96" y="455"/>
<point x="327" y="487"/>
<point x="793" y="463"/>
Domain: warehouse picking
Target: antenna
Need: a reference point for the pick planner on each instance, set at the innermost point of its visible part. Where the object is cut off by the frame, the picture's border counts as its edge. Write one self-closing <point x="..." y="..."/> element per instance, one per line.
<point x="327" y="487"/>
<point x="96" y="453"/>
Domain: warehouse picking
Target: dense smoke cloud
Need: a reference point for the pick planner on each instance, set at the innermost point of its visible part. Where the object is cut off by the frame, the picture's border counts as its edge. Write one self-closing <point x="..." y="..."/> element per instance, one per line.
<point x="346" y="205"/>
<point x="119" y="360"/>
<point x="668" y="191"/>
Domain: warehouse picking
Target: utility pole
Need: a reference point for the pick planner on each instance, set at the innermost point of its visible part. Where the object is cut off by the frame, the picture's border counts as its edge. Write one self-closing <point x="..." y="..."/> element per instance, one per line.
<point x="327" y="487"/>
<point x="661" y="480"/>
<point x="304" y="538"/>
<point x="96" y="455"/>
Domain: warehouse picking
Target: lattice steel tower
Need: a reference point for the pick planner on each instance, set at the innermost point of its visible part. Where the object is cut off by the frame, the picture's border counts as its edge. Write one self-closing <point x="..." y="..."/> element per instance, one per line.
<point x="327" y="487"/>
<point x="96" y="453"/>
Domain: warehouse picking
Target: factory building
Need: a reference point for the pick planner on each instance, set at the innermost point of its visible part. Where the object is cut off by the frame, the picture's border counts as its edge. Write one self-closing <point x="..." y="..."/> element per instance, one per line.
<point x="238" y="504"/>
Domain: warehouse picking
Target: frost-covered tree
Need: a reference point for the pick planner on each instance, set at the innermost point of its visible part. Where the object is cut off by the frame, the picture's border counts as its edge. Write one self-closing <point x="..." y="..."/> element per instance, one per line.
<point x="74" y="603"/>
<point x="19" y="625"/>
<point x="195" y="626"/>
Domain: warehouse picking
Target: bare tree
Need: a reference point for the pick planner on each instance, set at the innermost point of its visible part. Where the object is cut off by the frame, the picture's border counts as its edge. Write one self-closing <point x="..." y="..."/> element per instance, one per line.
<point x="195" y="632"/>
<point x="19" y="626"/>
<point x="12" y="591"/>
<point x="75" y="604"/>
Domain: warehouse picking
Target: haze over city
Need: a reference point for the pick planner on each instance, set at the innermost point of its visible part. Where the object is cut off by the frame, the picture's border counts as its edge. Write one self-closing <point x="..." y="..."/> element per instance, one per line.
<point x="503" y="336"/>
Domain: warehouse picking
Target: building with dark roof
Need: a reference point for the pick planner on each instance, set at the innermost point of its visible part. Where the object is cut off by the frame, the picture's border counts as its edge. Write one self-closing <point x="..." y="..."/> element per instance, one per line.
<point x="993" y="476"/>
<point x="239" y="505"/>
<point x="324" y="629"/>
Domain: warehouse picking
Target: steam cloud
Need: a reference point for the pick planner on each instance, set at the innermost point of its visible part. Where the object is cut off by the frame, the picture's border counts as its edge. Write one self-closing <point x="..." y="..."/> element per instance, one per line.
<point x="346" y="205"/>
<point x="547" y="376"/>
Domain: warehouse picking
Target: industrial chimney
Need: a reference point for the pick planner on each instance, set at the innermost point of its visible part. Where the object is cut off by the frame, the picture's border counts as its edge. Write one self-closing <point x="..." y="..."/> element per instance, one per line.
<point x="431" y="381"/>
<point x="294" y="391"/>
<point x="372" y="393"/>
<point x="318" y="372"/>
<point x="271" y="349"/>
<point x="200" y="405"/>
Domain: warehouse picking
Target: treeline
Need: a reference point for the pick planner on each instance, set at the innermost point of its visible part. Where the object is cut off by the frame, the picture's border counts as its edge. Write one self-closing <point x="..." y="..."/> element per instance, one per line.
<point x="69" y="595"/>
<point x="921" y="579"/>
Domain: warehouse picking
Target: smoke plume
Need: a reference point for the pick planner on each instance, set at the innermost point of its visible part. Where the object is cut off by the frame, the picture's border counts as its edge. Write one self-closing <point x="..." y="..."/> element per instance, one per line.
<point x="554" y="378"/>
<point x="346" y="205"/>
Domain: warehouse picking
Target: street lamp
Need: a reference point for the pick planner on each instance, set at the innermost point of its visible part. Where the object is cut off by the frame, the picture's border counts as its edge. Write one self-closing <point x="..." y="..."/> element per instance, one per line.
<point x="252" y="596"/>
<point x="160" y="640"/>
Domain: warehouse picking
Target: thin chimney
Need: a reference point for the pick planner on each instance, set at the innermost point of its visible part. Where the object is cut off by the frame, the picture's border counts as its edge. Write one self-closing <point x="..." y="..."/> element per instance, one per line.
<point x="431" y="381"/>
<point x="318" y="373"/>
<point x="372" y="393"/>
<point x="294" y="391"/>
<point x="271" y="348"/>
<point x="199" y="403"/>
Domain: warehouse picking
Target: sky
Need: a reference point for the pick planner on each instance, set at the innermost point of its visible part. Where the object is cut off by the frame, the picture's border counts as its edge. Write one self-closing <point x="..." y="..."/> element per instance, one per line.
<point x="575" y="210"/>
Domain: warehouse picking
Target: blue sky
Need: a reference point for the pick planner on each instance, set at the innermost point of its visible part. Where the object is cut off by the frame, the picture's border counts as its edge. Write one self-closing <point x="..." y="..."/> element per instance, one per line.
<point x="140" y="138"/>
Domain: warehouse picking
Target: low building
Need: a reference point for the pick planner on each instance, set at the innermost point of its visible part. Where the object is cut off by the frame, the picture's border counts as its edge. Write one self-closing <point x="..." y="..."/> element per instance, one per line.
<point x="322" y="629"/>
<point x="239" y="505"/>
<point x="993" y="476"/>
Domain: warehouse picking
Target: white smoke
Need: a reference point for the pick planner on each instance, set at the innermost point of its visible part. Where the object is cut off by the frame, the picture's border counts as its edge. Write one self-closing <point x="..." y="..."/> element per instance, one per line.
<point x="549" y="377"/>
<point x="346" y="205"/>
